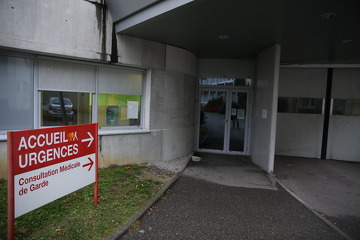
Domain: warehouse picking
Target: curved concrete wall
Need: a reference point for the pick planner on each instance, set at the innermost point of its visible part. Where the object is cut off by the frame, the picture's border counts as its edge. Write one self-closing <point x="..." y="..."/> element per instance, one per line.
<point x="171" y="98"/>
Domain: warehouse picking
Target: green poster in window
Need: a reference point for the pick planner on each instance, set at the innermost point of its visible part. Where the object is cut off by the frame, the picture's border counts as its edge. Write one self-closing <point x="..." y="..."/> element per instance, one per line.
<point x="112" y="115"/>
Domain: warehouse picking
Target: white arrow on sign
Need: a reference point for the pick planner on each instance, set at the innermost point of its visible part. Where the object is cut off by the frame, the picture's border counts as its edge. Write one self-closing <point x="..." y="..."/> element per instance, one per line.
<point x="90" y="139"/>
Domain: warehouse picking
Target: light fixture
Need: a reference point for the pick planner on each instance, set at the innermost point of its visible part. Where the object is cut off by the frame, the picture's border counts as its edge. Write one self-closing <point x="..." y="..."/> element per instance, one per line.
<point x="224" y="37"/>
<point x="327" y="16"/>
<point x="346" y="41"/>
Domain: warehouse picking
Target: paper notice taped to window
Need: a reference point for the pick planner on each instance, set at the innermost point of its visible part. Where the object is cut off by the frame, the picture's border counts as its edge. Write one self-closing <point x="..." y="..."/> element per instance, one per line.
<point x="132" y="109"/>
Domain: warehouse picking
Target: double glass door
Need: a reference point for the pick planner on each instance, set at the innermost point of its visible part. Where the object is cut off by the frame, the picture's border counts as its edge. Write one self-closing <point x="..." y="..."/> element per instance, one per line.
<point x="223" y="121"/>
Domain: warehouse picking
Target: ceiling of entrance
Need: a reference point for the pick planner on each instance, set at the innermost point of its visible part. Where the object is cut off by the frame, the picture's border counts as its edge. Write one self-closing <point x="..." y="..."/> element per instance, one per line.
<point x="309" y="31"/>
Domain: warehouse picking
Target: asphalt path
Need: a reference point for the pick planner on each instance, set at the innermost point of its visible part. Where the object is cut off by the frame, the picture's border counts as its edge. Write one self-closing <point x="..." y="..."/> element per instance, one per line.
<point x="197" y="209"/>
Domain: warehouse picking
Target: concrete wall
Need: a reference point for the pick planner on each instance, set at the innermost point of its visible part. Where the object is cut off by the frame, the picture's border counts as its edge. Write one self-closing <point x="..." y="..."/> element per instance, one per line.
<point x="238" y="68"/>
<point x="3" y="160"/>
<point x="139" y="52"/>
<point x="264" y="121"/>
<point x="80" y="29"/>
<point x="123" y="8"/>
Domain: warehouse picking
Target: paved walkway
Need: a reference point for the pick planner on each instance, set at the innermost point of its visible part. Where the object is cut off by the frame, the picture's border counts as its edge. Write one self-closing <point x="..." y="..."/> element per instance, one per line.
<point x="207" y="205"/>
<point x="331" y="188"/>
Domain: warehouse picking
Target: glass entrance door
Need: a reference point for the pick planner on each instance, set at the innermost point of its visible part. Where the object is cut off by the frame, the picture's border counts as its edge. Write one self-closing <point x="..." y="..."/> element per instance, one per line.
<point x="212" y="120"/>
<point x="223" y="121"/>
<point x="238" y="121"/>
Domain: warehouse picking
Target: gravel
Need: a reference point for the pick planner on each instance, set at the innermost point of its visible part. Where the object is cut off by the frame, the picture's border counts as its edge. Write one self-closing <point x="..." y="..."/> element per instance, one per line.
<point x="173" y="166"/>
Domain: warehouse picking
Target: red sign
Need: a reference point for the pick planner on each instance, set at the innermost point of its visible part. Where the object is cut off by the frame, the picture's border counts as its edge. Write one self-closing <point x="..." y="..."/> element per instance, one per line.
<point x="46" y="164"/>
<point x="39" y="148"/>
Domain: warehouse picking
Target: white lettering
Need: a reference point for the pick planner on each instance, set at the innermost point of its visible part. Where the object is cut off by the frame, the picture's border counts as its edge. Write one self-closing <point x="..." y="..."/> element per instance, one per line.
<point x="29" y="141"/>
<point x="21" y="163"/>
<point x="70" y="150"/>
<point x="40" y="144"/>
<point x="50" y="154"/>
<point x="63" y="154"/>
<point x="76" y="150"/>
<point x="57" y="138"/>
<point x="49" y="139"/>
<point x="56" y="153"/>
<point x="32" y="158"/>
<point x="64" y="137"/>
<point x="22" y="144"/>
<point x="42" y="156"/>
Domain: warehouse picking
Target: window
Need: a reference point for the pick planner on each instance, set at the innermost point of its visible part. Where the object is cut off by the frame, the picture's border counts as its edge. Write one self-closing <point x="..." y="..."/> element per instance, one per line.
<point x="72" y="82"/>
<point x="66" y="93"/>
<point x="16" y="93"/>
<point x="300" y="105"/>
<point x="119" y="98"/>
<point x="240" y="82"/>
<point x="118" y="110"/>
<point x="346" y="107"/>
<point x="76" y="106"/>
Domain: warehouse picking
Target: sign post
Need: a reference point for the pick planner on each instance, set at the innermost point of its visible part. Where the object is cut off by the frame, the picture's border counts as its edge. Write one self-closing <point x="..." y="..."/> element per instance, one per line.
<point x="49" y="163"/>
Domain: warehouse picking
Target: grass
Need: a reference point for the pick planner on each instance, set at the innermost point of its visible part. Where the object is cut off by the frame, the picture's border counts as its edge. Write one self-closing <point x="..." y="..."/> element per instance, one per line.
<point x="122" y="192"/>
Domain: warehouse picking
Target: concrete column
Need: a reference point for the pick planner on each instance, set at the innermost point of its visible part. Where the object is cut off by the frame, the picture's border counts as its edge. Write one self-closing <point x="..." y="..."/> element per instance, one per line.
<point x="264" y="121"/>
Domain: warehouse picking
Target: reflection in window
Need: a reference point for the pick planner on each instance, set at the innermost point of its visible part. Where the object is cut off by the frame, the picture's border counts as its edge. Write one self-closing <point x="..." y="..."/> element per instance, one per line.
<point x="300" y="105"/>
<point x="346" y="107"/>
<point x="74" y="109"/>
<point x="241" y="82"/>
<point x="118" y="110"/>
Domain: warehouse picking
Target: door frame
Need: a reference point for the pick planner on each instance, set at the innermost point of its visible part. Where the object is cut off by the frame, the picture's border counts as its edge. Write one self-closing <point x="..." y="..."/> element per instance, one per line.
<point x="227" y="124"/>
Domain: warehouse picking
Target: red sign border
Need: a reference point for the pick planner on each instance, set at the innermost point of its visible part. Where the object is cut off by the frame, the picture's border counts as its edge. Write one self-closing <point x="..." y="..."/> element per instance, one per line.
<point x="11" y="195"/>
<point x="11" y="174"/>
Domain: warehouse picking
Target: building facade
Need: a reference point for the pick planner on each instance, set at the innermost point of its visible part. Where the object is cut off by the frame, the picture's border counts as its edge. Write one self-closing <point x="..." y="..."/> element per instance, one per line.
<point x="66" y="47"/>
<point x="152" y="99"/>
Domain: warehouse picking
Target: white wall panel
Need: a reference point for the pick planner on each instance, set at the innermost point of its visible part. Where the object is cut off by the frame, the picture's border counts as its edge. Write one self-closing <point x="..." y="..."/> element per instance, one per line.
<point x="302" y="82"/>
<point x="344" y="138"/>
<point x="344" y="131"/>
<point x="346" y="83"/>
<point x="299" y="134"/>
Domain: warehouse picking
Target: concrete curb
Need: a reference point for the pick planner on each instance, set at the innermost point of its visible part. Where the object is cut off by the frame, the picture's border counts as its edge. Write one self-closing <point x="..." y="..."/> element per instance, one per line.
<point x="121" y="231"/>
<point x="338" y="230"/>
